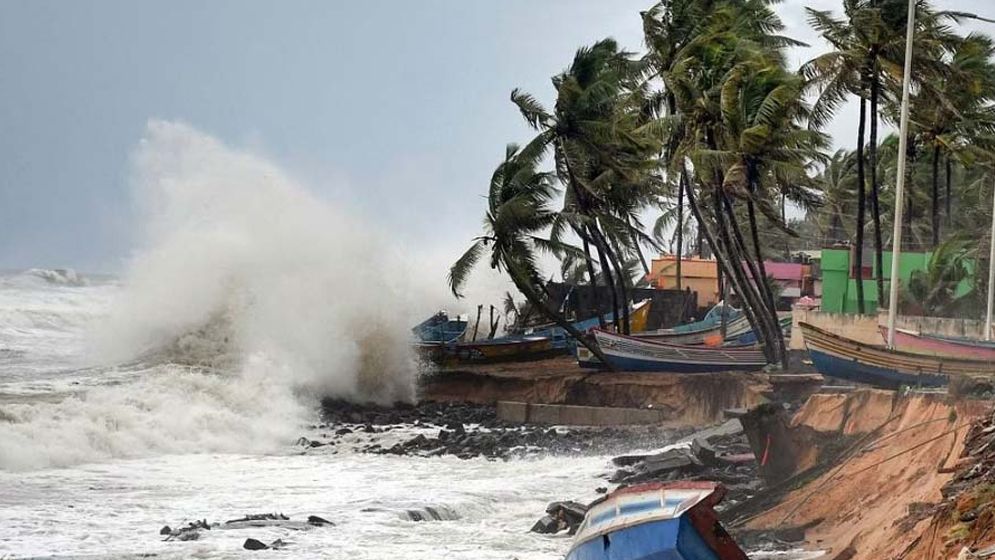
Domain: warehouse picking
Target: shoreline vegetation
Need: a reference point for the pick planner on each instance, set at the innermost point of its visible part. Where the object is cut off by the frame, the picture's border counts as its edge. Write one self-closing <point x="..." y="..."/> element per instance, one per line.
<point x="709" y="127"/>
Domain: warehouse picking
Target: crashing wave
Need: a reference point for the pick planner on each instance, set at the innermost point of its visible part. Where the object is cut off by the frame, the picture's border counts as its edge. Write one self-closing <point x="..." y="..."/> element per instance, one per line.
<point x="58" y="276"/>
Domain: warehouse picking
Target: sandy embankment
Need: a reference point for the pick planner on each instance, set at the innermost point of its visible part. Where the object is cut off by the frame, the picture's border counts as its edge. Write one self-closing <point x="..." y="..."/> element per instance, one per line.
<point x="871" y="505"/>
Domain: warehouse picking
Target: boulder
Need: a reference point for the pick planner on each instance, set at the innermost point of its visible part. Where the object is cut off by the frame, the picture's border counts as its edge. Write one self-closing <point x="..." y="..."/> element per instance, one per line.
<point x="253" y="544"/>
<point x="546" y="526"/>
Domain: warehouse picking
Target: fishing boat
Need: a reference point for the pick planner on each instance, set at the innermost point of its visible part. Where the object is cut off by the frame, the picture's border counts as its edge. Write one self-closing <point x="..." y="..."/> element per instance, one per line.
<point x="668" y="520"/>
<point x="628" y="353"/>
<point x="917" y="343"/>
<point x="638" y="317"/>
<point x="440" y="328"/>
<point x="505" y="349"/>
<point x="707" y="331"/>
<point x="838" y="356"/>
<point x="750" y="337"/>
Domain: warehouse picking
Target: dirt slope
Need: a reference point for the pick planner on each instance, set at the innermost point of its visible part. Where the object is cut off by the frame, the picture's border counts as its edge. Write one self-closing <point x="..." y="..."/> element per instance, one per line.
<point x="875" y="504"/>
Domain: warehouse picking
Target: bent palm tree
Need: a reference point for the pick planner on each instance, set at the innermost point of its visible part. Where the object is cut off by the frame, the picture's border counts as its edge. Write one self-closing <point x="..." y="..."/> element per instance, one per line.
<point x="517" y="210"/>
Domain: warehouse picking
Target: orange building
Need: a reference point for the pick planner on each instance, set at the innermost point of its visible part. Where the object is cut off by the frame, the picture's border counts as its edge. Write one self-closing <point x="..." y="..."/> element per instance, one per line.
<point x="701" y="275"/>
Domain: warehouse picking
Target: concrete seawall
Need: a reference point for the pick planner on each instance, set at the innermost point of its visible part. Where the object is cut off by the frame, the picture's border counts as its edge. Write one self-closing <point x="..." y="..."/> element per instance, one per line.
<point x="573" y="415"/>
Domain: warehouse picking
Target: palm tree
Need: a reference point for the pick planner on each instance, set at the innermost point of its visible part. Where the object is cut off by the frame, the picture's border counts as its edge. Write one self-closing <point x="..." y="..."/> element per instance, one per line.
<point x="518" y="208"/>
<point x="602" y="156"/>
<point x="719" y="38"/>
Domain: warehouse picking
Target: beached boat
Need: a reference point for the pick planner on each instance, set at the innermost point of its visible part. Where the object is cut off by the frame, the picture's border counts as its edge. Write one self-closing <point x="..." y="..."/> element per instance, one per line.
<point x="638" y="317"/>
<point x="628" y="353"/>
<point x="750" y="337"/>
<point x="838" y="356"/>
<point x="440" y="328"/>
<point x="911" y="341"/>
<point x="669" y="520"/>
<point x="707" y="331"/>
<point x="505" y="349"/>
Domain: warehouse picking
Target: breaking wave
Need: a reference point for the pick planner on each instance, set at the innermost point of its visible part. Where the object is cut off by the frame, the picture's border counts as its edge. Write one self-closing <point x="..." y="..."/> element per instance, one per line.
<point x="248" y="299"/>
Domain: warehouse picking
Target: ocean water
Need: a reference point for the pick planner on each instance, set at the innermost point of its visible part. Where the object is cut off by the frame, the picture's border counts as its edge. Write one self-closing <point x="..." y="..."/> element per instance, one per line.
<point x="95" y="459"/>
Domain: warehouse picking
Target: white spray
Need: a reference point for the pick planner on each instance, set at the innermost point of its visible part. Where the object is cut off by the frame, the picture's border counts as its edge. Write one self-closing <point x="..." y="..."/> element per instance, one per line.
<point x="282" y="297"/>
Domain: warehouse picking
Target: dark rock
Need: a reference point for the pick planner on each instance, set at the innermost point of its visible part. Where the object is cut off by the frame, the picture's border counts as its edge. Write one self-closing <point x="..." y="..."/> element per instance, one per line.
<point x="343" y="431"/>
<point x="546" y="526"/>
<point x="253" y="544"/>
<point x="165" y="530"/>
<point x="277" y="544"/>
<point x="601" y="490"/>
<point x="315" y="520"/>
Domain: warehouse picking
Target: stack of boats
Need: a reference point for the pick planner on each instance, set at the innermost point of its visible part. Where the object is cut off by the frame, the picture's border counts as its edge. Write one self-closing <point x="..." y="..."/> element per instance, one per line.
<point x="443" y="340"/>
<point x="917" y="359"/>
<point x="722" y="341"/>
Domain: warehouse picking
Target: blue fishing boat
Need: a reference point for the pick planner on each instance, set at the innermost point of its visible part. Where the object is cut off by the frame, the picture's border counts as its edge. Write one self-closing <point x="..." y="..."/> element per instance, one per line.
<point x="707" y="331"/>
<point x="837" y="356"/>
<point x="638" y="316"/>
<point x="627" y="353"/>
<point x="750" y="337"/>
<point x="656" y="521"/>
<point x="440" y="328"/>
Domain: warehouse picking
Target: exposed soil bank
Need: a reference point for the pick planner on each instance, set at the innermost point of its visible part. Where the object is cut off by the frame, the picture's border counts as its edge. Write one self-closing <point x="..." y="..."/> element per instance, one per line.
<point x="689" y="400"/>
<point x="877" y="501"/>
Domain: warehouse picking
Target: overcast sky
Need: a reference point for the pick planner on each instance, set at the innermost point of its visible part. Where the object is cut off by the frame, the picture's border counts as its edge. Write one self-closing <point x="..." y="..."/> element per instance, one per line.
<point x="397" y="109"/>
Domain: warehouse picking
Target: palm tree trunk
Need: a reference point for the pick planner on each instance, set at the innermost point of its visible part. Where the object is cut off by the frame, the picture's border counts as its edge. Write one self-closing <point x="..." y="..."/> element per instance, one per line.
<point x="592" y="280"/>
<point x="539" y="303"/>
<point x="762" y="283"/>
<point x="947" y="200"/>
<point x="910" y="207"/>
<point x="861" y="198"/>
<point x="722" y="259"/>
<point x="935" y="208"/>
<point x="606" y="270"/>
<point x="624" y="282"/>
<point x="679" y="255"/>
<point x="875" y="190"/>
<point x="758" y="274"/>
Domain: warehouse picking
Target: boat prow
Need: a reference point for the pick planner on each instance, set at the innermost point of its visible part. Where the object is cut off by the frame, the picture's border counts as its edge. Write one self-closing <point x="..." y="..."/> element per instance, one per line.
<point x="672" y="520"/>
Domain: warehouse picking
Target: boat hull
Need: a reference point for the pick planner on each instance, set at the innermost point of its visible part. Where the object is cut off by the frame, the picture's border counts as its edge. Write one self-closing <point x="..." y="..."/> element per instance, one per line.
<point x="656" y="521"/>
<point x="669" y="539"/>
<point x="838" y="356"/>
<point x="710" y="336"/>
<point x="490" y="351"/>
<point x="627" y="353"/>
<point x="936" y="346"/>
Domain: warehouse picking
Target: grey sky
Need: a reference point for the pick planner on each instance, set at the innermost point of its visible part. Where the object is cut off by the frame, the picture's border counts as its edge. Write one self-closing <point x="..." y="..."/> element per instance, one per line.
<point x="397" y="109"/>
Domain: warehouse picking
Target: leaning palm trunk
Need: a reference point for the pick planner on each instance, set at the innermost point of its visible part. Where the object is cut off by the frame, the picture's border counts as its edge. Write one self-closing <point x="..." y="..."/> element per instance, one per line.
<point x="765" y="310"/>
<point x="762" y="282"/>
<point x="720" y="257"/>
<point x="540" y="303"/>
<point x="592" y="280"/>
<point x="606" y="271"/>
<point x="624" y="283"/>
<point x="875" y="202"/>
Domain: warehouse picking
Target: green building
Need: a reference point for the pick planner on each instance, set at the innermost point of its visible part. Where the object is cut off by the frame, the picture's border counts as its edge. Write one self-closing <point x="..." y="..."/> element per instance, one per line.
<point x="839" y="279"/>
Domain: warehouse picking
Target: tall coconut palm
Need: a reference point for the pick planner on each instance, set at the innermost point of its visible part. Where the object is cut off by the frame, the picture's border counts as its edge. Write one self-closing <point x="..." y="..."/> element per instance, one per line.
<point x="518" y="209"/>
<point x="602" y="156"/>
<point x="731" y="35"/>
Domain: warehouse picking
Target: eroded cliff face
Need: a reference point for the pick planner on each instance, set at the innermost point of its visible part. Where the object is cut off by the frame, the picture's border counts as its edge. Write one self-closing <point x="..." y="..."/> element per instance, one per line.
<point x="689" y="400"/>
<point x="876" y="502"/>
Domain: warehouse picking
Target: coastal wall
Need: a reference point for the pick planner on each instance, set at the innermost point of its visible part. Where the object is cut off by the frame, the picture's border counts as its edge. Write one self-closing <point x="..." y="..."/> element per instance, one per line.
<point x="864" y="328"/>
<point x="870" y="505"/>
